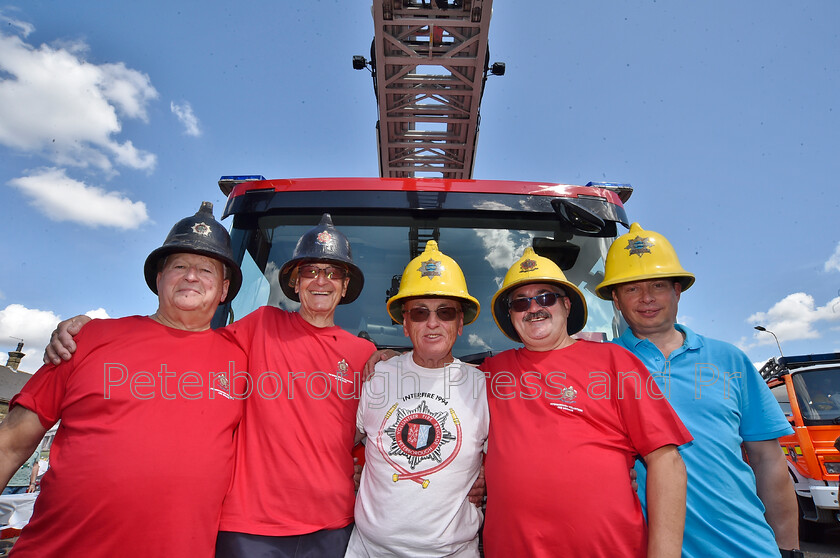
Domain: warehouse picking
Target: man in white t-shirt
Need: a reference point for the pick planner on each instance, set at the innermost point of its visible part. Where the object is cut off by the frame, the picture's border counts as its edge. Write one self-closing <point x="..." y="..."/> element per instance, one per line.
<point x="426" y="420"/>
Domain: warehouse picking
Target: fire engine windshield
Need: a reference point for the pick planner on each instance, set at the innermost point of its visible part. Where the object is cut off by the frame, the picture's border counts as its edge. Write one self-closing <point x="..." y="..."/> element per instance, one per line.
<point x="383" y="246"/>
<point x="818" y="394"/>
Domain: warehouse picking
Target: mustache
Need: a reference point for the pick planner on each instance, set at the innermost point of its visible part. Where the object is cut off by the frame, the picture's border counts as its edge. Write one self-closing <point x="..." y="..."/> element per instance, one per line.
<point x="540" y="314"/>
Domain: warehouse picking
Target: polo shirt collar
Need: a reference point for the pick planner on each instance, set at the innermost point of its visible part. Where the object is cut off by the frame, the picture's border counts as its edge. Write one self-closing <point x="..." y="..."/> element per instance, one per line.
<point x="692" y="340"/>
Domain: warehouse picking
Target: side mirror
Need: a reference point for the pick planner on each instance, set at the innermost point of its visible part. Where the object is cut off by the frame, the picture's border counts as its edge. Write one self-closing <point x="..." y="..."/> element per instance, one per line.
<point x="577" y="217"/>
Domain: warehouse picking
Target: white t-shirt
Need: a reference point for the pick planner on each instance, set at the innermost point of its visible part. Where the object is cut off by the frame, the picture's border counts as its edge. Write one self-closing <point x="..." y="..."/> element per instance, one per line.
<point x="426" y="430"/>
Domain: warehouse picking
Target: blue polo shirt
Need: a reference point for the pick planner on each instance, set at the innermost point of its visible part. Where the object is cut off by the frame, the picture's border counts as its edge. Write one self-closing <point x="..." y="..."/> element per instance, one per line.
<point x="722" y="400"/>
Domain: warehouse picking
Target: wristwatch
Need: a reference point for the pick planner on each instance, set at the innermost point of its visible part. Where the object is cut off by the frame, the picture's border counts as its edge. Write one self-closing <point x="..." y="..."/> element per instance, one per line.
<point x="793" y="553"/>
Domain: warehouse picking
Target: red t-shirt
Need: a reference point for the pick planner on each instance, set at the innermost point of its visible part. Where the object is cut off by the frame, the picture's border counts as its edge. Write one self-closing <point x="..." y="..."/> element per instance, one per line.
<point x="565" y="427"/>
<point x="294" y="468"/>
<point x="144" y="452"/>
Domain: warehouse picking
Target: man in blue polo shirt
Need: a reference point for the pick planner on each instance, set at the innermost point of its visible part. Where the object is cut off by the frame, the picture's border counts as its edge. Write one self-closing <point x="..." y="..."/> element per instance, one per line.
<point x="734" y="509"/>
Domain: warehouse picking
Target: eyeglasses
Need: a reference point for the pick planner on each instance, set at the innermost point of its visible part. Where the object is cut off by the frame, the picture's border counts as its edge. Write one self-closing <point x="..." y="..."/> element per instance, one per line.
<point x="545" y="300"/>
<point x="421" y="313"/>
<point x="313" y="271"/>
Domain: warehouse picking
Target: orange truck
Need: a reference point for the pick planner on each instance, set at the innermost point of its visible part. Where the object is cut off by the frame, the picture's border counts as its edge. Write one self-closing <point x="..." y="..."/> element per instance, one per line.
<point x="807" y="388"/>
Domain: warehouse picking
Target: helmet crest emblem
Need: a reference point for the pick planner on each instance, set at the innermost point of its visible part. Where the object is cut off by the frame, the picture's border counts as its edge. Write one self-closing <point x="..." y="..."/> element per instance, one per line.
<point x="201" y="228"/>
<point x="527" y="265"/>
<point x="430" y="268"/>
<point x="324" y="237"/>
<point x="639" y="246"/>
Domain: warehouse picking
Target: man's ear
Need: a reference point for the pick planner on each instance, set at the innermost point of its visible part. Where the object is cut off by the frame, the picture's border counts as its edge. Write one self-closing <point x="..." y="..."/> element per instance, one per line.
<point x="615" y="299"/>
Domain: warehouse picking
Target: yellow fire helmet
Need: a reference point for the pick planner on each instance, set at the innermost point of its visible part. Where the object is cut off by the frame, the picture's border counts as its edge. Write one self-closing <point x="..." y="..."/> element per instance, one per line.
<point x="429" y="275"/>
<point x="532" y="268"/>
<point x="639" y="255"/>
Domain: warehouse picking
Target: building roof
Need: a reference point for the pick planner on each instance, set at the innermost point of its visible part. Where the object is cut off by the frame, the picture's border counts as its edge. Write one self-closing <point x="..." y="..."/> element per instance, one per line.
<point x="11" y="382"/>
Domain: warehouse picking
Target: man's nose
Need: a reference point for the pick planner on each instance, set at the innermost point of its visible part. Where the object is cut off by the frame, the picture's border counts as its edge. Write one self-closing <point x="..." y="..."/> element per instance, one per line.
<point x="321" y="278"/>
<point x="646" y="294"/>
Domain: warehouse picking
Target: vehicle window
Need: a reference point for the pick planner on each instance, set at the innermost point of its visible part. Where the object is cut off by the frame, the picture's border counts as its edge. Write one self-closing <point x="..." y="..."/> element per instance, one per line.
<point x="818" y="393"/>
<point x="484" y="249"/>
<point x="781" y="395"/>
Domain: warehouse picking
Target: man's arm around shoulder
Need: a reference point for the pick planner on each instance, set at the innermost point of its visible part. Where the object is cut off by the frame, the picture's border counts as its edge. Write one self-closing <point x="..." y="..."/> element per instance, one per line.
<point x="20" y="433"/>
<point x="666" y="480"/>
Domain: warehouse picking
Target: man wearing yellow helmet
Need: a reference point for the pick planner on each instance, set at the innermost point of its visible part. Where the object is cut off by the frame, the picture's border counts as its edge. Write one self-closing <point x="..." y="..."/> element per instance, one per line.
<point x="720" y="397"/>
<point x="426" y="420"/>
<point x="425" y="416"/>
<point x="569" y="418"/>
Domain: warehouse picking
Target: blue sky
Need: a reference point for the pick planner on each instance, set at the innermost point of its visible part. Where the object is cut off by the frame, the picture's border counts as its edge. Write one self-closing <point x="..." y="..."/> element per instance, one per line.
<point x="117" y="119"/>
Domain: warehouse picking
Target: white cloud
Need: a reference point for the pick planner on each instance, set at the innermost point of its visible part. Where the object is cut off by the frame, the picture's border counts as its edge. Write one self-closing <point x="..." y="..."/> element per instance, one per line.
<point x="833" y="263"/>
<point x="62" y="198"/>
<point x="185" y="115"/>
<point x="34" y="327"/>
<point x="98" y="314"/>
<point x="55" y="104"/>
<point x="502" y="248"/>
<point x="794" y="317"/>
<point x="477" y="342"/>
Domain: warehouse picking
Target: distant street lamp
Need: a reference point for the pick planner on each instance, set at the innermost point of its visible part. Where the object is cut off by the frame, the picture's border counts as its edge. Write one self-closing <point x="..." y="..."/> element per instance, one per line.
<point x="762" y="328"/>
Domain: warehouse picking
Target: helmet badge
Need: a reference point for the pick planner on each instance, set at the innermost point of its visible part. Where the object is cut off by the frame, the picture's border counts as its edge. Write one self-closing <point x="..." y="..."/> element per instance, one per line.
<point x="201" y="228"/>
<point x="324" y="238"/>
<point x="527" y="265"/>
<point x="639" y="245"/>
<point x="430" y="268"/>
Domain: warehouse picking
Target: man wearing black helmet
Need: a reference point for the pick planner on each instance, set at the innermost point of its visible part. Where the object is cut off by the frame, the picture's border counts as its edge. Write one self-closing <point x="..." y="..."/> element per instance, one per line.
<point x="140" y="394"/>
<point x="293" y="491"/>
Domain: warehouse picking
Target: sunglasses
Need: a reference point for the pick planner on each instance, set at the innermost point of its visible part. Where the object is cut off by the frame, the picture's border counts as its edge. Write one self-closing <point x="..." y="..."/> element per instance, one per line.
<point x="545" y="300"/>
<point x="313" y="271"/>
<point x="421" y="313"/>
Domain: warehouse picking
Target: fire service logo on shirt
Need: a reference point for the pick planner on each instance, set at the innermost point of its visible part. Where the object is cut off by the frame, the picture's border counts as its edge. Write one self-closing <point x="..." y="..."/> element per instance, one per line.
<point x="221" y="385"/>
<point x="418" y="435"/>
<point x="569" y="394"/>
<point x="342" y="368"/>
